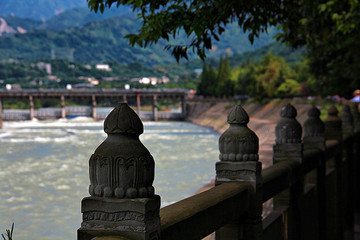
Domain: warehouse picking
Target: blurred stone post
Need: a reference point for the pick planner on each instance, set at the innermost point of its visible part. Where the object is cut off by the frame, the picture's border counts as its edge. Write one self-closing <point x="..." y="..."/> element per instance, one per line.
<point x="239" y="157"/>
<point x="347" y="121"/>
<point x="333" y="131"/>
<point x="288" y="147"/>
<point x="314" y="139"/>
<point x="314" y="131"/>
<point x="348" y="169"/>
<point x="356" y="116"/>
<point x="122" y="201"/>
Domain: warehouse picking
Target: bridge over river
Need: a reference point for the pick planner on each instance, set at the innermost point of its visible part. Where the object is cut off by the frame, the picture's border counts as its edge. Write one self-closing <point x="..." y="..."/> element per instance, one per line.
<point x="94" y="96"/>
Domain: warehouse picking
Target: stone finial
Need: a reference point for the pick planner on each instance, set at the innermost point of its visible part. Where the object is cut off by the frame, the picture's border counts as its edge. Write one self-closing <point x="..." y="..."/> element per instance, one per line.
<point x="313" y="126"/>
<point x="356" y="116"/>
<point x="122" y="167"/>
<point x="288" y="130"/>
<point x="333" y="129"/>
<point x="123" y="120"/>
<point x="239" y="148"/>
<point x="238" y="143"/>
<point x="314" y="130"/>
<point x="347" y="121"/>
<point x="332" y="114"/>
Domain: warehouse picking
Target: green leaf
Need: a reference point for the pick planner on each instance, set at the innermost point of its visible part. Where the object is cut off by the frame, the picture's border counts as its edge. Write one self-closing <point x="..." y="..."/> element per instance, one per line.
<point x="102" y="7"/>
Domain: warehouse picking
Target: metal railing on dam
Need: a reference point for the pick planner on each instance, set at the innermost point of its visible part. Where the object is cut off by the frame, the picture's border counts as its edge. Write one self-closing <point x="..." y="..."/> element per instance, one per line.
<point x="94" y="96"/>
<point x="313" y="183"/>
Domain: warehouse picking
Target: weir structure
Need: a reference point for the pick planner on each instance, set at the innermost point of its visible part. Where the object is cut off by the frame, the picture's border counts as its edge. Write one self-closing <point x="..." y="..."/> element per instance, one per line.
<point x="94" y="96"/>
<point x="313" y="183"/>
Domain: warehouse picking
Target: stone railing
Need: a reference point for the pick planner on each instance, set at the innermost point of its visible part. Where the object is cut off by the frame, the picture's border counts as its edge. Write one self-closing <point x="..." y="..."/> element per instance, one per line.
<point x="312" y="183"/>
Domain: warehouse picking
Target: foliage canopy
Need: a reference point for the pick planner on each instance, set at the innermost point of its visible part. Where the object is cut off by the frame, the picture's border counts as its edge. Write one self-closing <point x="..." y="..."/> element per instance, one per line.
<point x="201" y="20"/>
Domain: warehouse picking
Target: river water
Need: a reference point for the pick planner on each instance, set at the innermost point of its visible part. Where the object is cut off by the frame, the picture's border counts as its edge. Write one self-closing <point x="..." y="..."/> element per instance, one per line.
<point x="44" y="170"/>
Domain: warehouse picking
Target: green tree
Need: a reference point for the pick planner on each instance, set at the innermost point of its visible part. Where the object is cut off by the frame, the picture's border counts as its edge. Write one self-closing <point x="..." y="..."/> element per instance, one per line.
<point x="329" y="29"/>
<point x="201" y="20"/>
<point x="225" y="86"/>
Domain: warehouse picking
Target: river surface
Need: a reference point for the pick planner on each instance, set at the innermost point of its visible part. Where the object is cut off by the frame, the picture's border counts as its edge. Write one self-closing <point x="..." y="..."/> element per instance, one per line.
<point x="44" y="170"/>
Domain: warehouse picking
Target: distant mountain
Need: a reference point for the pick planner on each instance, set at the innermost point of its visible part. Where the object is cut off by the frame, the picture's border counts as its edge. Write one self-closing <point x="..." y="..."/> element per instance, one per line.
<point x="75" y="17"/>
<point x="102" y="40"/>
<point x="78" y="17"/>
<point x="37" y="9"/>
<point x="11" y="25"/>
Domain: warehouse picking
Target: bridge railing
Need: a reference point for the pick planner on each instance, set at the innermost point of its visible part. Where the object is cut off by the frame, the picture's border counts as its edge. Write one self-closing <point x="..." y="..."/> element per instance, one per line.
<point x="312" y="186"/>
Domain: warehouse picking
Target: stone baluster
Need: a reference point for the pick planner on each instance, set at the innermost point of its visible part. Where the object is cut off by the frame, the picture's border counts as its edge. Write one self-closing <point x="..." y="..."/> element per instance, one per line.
<point x="348" y="167"/>
<point x="356" y="116"/>
<point x="314" y="131"/>
<point x="122" y="201"/>
<point x="314" y="139"/>
<point x="288" y="147"/>
<point x="347" y="122"/>
<point x="239" y="163"/>
<point x="333" y="131"/>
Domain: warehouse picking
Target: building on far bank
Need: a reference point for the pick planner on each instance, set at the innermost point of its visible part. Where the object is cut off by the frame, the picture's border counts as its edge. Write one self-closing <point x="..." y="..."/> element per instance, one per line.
<point x="104" y="67"/>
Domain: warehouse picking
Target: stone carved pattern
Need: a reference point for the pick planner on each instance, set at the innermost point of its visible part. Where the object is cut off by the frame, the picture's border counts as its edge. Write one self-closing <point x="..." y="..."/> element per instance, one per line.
<point x="114" y="217"/>
<point x="238" y="143"/>
<point x="122" y="177"/>
<point x="288" y="129"/>
<point x="230" y="173"/>
<point x="313" y="126"/>
<point x="153" y="225"/>
<point x="121" y="167"/>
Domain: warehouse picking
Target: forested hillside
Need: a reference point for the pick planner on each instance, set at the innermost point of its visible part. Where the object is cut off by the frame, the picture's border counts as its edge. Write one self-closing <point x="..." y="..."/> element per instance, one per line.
<point x="37" y="9"/>
<point x="85" y="36"/>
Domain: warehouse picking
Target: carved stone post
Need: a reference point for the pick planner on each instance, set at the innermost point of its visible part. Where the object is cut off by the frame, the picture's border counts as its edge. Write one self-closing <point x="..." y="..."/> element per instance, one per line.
<point x="93" y="100"/>
<point x="122" y="201"/>
<point x="288" y="147"/>
<point x="348" y="168"/>
<point x="314" y="131"/>
<point x="63" y="110"/>
<point x="239" y="148"/>
<point x="124" y="99"/>
<point x="155" y="109"/>
<point x="356" y="116"/>
<point x="347" y="121"/>
<point x="31" y="101"/>
<point x="314" y="139"/>
<point x="333" y="131"/>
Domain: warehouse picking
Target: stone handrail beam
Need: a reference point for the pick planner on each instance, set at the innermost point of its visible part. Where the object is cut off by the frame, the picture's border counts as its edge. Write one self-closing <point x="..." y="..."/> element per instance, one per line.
<point x="312" y="184"/>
